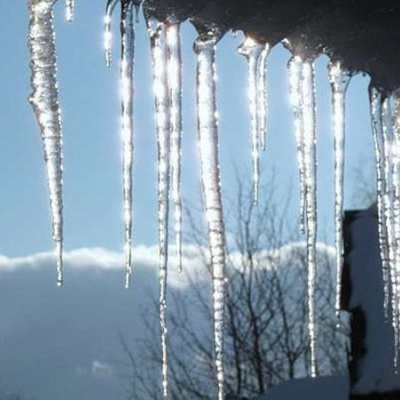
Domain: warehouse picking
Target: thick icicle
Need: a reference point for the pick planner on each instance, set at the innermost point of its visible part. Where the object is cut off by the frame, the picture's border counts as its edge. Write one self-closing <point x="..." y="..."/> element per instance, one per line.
<point x="376" y="119"/>
<point x="70" y="9"/>
<point x="396" y="186"/>
<point x="175" y="89"/>
<point x="295" y="67"/>
<point x="252" y="51"/>
<point x="44" y="100"/>
<point x="127" y="60"/>
<point x="107" y="30"/>
<point x="208" y="147"/>
<point x="339" y="80"/>
<point x="162" y="102"/>
<point x="310" y="161"/>
<point x="390" y="215"/>
<point x="262" y="103"/>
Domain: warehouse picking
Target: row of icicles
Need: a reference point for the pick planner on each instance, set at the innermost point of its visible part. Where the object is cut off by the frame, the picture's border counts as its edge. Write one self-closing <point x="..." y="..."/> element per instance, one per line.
<point x="166" y="62"/>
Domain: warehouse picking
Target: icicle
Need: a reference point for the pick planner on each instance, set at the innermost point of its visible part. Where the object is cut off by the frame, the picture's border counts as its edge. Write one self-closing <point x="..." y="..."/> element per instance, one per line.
<point x="390" y="216"/>
<point x="175" y="87"/>
<point x="396" y="183"/>
<point x="262" y="103"/>
<point x="127" y="60"/>
<point x="107" y="30"/>
<point x="339" y="80"/>
<point x="252" y="51"/>
<point x="310" y="161"/>
<point x="70" y="9"/>
<point x="376" y="119"/>
<point x="295" y="67"/>
<point x="44" y="101"/>
<point x="208" y="146"/>
<point x="162" y="101"/>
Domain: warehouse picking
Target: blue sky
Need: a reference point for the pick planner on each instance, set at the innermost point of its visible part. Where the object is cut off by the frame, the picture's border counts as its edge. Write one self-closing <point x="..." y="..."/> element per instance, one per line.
<point x="89" y="98"/>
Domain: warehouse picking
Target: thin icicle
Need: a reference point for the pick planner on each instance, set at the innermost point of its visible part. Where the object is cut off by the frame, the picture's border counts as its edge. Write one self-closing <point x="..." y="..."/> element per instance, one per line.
<point x="252" y="50"/>
<point x="262" y="103"/>
<point x="175" y="88"/>
<point x="44" y="100"/>
<point x="390" y="216"/>
<point x="107" y="30"/>
<point x="208" y="146"/>
<point x="162" y="102"/>
<point x="308" y="114"/>
<point x="127" y="60"/>
<point x="295" y="67"/>
<point x="339" y="79"/>
<point x="70" y="9"/>
<point x="376" y="119"/>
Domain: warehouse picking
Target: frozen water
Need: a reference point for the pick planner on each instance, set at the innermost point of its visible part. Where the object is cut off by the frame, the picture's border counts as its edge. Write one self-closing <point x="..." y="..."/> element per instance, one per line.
<point x="295" y="67"/>
<point x="162" y="103"/>
<point x="44" y="100"/>
<point x="127" y="61"/>
<point x="208" y="146"/>
<point x="339" y="80"/>
<point x="70" y="9"/>
<point x="107" y="30"/>
<point x="377" y="130"/>
<point x="175" y="88"/>
<point x="302" y="98"/>
<point x="253" y="51"/>
<point x="308" y="110"/>
<point x="262" y="103"/>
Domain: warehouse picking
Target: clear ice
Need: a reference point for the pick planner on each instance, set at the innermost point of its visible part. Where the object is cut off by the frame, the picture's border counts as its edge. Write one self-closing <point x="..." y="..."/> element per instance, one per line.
<point x="127" y="65"/>
<point x="339" y="79"/>
<point x="377" y="131"/>
<point x="70" y="9"/>
<point x="308" y="111"/>
<point x="391" y="212"/>
<point x="163" y="108"/>
<point x="253" y="50"/>
<point x="174" y="67"/>
<point x="262" y="103"/>
<point x="208" y="146"/>
<point x="107" y="30"/>
<point x="295" y="68"/>
<point x="44" y="101"/>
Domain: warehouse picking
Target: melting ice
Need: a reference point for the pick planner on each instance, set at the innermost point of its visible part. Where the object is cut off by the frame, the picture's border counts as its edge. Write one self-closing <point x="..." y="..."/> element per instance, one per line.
<point x="339" y="79"/>
<point x="163" y="109"/>
<point x="44" y="100"/>
<point x="208" y="146"/>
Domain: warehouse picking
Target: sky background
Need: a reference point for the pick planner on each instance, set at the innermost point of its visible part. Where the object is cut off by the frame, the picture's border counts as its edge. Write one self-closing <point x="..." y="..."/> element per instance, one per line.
<point x="89" y="98"/>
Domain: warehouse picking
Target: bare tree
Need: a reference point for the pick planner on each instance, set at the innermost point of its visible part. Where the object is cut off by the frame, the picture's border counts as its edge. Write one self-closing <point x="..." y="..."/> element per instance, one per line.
<point x="266" y="313"/>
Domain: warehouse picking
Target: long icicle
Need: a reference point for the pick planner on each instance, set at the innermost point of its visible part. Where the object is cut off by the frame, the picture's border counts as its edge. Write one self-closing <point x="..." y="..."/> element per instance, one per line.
<point x="339" y="79"/>
<point x="309" y="120"/>
<point x="390" y="216"/>
<point x="208" y="145"/>
<point x="252" y="50"/>
<point x="70" y="9"/>
<point x="44" y="101"/>
<point x="107" y="30"/>
<point x="396" y="183"/>
<point x="162" y="102"/>
<point x="175" y="88"/>
<point x="126" y="78"/>
<point x="262" y="103"/>
<point x="295" y="68"/>
<point x="375" y="97"/>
